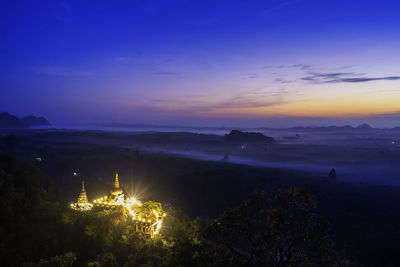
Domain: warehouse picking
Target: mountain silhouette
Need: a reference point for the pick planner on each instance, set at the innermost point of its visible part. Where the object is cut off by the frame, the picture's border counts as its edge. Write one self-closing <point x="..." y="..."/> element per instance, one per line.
<point x="10" y="121"/>
<point x="35" y="121"/>
<point x="236" y="136"/>
<point x="364" y="127"/>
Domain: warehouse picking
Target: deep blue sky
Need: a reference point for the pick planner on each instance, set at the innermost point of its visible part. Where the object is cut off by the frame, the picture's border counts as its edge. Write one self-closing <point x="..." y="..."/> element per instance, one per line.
<point x="273" y="63"/>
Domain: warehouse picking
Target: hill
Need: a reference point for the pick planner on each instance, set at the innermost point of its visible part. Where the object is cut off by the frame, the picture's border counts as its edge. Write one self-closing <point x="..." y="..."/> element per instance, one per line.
<point x="236" y="136"/>
<point x="8" y="121"/>
<point x="35" y="121"/>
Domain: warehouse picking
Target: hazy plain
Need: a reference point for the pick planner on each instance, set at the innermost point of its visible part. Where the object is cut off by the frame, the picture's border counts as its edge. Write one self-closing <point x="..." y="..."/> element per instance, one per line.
<point x="366" y="155"/>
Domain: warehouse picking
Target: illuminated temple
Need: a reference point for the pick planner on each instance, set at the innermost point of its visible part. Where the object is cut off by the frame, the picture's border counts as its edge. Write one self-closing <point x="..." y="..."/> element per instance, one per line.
<point x="82" y="203"/>
<point x="147" y="216"/>
<point x="115" y="198"/>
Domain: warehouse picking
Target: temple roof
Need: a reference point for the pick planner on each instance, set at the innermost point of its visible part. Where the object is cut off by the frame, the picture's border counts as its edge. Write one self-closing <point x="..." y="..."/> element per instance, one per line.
<point x="116" y="190"/>
<point x="116" y="184"/>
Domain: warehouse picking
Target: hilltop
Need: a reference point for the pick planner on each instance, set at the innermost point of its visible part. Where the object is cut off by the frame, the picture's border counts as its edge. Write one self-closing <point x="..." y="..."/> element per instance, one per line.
<point x="35" y="121"/>
<point x="236" y="136"/>
<point x="9" y="121"/>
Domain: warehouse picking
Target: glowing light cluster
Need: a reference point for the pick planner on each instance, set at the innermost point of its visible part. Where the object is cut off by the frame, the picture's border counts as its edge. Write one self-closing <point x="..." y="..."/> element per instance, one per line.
<point x="81" y="206"/>
<point x="148" y="217"/>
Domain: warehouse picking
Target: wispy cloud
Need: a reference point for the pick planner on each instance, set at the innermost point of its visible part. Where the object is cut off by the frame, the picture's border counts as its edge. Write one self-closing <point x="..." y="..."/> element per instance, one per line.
<point x="241" y="103"/>
<point x="250" y="76"/>
<point x="344" y="77"/>
<point x="267" y="67"/>
<point x="348" y="66"/>
<point x="283" y="81"/>
<point x="60" y="71"/>
<point x="165" y="73"/>
<point x="255" y="98"/>
<point x="302" y="66"/>
<point x="358" y="80"/>
<point x="122" y="59"/>
<point x="252" y="99"/>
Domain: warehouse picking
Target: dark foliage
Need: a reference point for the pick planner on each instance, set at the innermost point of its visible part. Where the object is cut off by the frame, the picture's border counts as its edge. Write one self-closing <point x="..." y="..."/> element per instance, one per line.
<point x="30" y="224"/>
<point x="236" y="136"/>
<point x="332" y="174"/>
<point x="37" y="231"/>
<point x="282" y="230"/>
<point x="11" y="142"/>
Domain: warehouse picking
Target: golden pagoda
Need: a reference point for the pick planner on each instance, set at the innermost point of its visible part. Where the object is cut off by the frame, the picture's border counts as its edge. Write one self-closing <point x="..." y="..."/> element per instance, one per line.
<point x="116" y="191"/>
<point x="82" y="199"/>
<point x="114" y="199"/>
<point x="83" y="202"/>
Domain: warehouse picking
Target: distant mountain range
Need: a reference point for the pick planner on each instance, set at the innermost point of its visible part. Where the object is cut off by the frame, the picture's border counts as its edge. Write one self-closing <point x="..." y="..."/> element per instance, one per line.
<point x="9" y="121"/>
<point x="150" y="126"/>
<point x="361" y="127"/>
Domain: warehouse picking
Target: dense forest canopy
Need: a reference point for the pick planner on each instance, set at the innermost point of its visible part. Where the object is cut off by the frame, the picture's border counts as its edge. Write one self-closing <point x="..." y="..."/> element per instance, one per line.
<point x="269" y="230"/>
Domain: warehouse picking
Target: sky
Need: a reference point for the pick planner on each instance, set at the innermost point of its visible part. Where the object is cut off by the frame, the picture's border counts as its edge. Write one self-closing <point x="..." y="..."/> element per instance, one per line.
<point x="272" y="63"/>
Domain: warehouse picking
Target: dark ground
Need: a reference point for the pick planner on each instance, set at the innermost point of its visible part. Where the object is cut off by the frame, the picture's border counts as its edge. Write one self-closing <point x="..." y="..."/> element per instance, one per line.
<point x="365" y="218"/>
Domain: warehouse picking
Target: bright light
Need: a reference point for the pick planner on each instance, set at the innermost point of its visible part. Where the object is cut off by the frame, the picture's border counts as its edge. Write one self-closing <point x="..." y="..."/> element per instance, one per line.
<point x="152" y="220"/>
<point x="157" y="226"/>
<point x="81" y="206"/>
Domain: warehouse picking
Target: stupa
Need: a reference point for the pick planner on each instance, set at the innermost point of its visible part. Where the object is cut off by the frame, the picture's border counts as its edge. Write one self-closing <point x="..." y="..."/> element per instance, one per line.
<point x="82" y="203"/>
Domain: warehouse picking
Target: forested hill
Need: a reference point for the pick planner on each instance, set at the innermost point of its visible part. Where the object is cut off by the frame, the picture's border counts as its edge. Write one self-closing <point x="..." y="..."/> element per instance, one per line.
<point x="39" y="230"/>
<point x="9" y="121"/>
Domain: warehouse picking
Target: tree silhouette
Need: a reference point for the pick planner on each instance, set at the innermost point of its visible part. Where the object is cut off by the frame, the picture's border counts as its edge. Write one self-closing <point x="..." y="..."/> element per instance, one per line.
<point x="282" y="230"/>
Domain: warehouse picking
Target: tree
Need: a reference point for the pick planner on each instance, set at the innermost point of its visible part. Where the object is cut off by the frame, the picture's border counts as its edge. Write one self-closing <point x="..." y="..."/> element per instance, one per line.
<point x="29" y="223"/>
<point x="282" y="230"/>
<point x="65" y="260"/>
<point x="332" y="174"/>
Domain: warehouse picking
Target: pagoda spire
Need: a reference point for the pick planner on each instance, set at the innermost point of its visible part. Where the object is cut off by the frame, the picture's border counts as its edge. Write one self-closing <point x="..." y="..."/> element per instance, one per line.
<point x="82" y="199"/>
<point x="116" y="184"/>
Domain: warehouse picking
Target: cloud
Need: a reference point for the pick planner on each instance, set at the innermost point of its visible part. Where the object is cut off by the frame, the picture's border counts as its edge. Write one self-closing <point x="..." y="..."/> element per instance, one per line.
<point x="348" y="66"/>
<point x="283" y="81"/>
<point x="165" y="73"/>
<point x="250" y="76"/>
<point x="122" y="59"/>
<point x="60" y="71"/>
<point x="255" y="98"/>
<point x="322" y="77"/>
<point x="302" y="66"/>
<point x="344" y="77"/>
<point x="251" y="100"/>
<point x="357" y="80"/>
